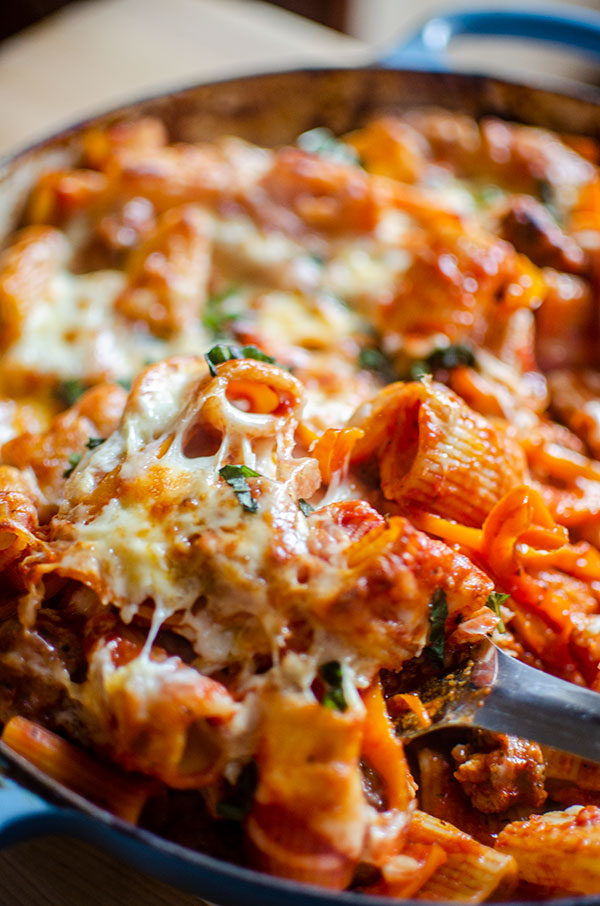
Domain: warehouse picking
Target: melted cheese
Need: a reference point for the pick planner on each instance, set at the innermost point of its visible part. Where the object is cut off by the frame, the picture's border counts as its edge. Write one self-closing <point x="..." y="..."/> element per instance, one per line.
<point x="144" y="522"/>
<point x="149" y="540"/>
<point x="292" y="299"/>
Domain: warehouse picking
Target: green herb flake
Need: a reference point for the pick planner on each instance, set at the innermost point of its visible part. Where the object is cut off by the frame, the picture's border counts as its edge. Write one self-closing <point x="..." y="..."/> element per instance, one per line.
<point x="494" y="601"/>
<point x="235" y="476"/>
<point x="239" y="802"/>
<point x="447" y="358"/>
<point x="305" y="507"/>
<point x="322" y="141"/>
<point x="438" y="613"/>
<point x="230" y="811"/>
<point x="93" y="442"/>
<point x="216" y="316"/>
<point x="253" y="352"/>
<point x="74" y="460"/>
<point x="69" y="391"/>
<point x="371" y="358"/>
<point x="224" y="353"/>
<point x="333" y="697"/>
<point x="418" y="370"/>
<point x="546" y="192"/>
<point x="451" y="357"/>
<point x="219" y="354"/>
<point x="487" y="194"/>
<point x="125" y="383"/>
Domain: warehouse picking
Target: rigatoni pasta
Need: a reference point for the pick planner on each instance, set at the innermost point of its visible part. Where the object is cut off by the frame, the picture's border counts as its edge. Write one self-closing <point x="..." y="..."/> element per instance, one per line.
<point x="426" y="440"/>
<point x="284" y="433"/>
<point x="540" y="844"/>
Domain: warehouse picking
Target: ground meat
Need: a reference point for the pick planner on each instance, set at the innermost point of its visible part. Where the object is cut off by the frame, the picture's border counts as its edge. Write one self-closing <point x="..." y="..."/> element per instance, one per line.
<point x="529" y="226"/>
<point x="35" y="670"/>
<point x="497" y="772"/>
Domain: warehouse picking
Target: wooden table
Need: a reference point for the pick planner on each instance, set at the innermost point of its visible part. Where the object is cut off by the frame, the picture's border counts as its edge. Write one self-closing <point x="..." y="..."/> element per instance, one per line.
<point x="86" y="58"/>
<point x="98" y="53"/>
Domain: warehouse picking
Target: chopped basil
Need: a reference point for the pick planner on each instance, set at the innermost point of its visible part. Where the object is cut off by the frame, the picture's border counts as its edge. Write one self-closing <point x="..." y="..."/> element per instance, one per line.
<point x="69" y="391"/>
<point x="253" y="352"/>
<point x="334" y="700"/>
<point x="447" y="358"/>
<point x="323" y="142"/>
<point x="545" y="191"/>
<point x="493" y="602"/>
<point x="239" y="801"/>
<point x="373" y="359"/>
<point x="236" y="476"/>
<point x="93" y="442"/>
<point x="487" y="194"/>
<point x="222" y="353"/>
<point x="74" y="460"/>
<point x="451" y="357"/>
<point x="216" y="316"/>
<point x="418" y="370"/>
<point x="331" y="675"/>
<point x="230" y="811"/>
<point x="305" y="507"/>
<point x="125" y="383"/>
<point x="548" y="197"/>
<point x="438" y="612"/>
<point x="217" y="355"/>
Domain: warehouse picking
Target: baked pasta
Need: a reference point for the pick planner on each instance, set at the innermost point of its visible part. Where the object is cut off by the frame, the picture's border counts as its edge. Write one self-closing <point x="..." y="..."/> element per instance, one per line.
<point x="284" y="433"/>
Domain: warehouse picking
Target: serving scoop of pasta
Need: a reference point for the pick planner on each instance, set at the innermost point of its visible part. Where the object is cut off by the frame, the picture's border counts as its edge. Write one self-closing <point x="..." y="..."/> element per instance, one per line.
<point x="284" y="433"/>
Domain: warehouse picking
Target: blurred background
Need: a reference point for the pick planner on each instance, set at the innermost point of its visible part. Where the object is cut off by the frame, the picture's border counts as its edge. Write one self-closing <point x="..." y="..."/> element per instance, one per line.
<point x="378" y="21"/>
<point x="372" y="21"/>
<point x="65" y="59"/>
<point x="369" y="20"/>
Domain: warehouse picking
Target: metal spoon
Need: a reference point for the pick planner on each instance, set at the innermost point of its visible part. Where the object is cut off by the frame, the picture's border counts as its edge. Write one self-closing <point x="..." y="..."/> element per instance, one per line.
<point x="493" y="691"/>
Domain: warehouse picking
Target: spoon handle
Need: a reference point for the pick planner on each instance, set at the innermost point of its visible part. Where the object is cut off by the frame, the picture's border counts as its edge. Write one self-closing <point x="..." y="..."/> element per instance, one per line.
<point x="527" y="702"/>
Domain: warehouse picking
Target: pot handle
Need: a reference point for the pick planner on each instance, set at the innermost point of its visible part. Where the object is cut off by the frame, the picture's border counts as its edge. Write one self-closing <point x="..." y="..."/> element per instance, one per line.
<point x="551" y="23"/>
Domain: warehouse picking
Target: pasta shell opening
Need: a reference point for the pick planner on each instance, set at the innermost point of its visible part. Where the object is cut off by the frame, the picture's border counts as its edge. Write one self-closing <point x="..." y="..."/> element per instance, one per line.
<point x="201" y="752"/>
<point x="280" y="844"/>
<point x="201" y="438"/>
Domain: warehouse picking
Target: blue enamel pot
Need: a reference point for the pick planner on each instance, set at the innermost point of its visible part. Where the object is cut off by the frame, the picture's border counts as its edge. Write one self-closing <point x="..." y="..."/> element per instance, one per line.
<point x="272" y="109"/>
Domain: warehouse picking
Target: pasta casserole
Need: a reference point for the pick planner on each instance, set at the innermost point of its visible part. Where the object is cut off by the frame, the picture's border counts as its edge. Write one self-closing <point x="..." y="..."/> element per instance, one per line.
<point x="284" y="433"/>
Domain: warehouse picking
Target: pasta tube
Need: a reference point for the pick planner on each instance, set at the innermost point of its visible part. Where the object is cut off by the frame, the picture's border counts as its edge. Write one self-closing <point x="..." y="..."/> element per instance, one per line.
<point x="26" y="271"/>
<point x="471" y="873"/>
<point x="168" y="274"/>
<point x="18" y="516"/>
<point x="163" y="716"/>
<point x="426" y="440"/>
<point x="49" y="454"/>
<point x="309" y="817"/>
<point x="558" y="849"/>
<point x="122" y="794"/>
<point x="60" y="194"/>
<point x="570" y="769"/>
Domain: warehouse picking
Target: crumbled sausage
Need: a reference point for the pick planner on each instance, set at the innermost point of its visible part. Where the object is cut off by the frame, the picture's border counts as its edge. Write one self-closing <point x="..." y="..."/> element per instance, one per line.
<point x="499" y="771"/>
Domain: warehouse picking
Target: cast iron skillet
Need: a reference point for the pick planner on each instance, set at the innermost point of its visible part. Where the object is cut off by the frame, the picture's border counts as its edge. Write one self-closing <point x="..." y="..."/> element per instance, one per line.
<point x="274" y="109"/>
